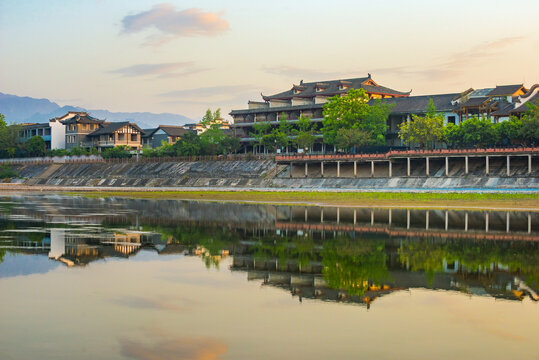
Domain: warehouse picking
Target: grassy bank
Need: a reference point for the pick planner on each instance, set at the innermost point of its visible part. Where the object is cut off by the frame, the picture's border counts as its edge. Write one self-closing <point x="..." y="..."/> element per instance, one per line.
<point x="382" y="199"/>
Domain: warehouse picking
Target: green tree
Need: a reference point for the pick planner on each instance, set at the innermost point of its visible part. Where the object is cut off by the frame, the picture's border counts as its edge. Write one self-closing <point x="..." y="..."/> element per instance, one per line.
<point x="304" y="134"/>
<point x="478" y="132"/>
<point x="9" y="140"/>
<point x="230" y="144"/>
<point x="209" y="117"/>
<point x="424" y="130"/>
<point x="529" y="132"/>
<point x="211" y="140"/>
<point x="352" y="111"/>
<point x="452" y="135"/>
<point x="35" y="146"/>
<point x="508" y="131"/>
<point x="282" y="136"/>
<point x="349" y="138"/>
<point x="343" y="112"/>
<point x="188" y="145"/>
<point x="261" y="129"/>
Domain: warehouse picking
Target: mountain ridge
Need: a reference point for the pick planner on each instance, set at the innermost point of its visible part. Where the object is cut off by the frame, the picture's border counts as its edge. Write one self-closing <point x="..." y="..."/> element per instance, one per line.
<point x="26" y="109"/>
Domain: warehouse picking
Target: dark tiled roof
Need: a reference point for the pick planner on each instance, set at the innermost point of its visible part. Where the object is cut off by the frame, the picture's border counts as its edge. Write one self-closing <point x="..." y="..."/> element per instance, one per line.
<point x="503" y="110"/>
<point x="504" y="90"/>
<point x="530" y="91"/>
<point x="476" y="101"/>
<point x="418" y="104"/>
<point x="148" y="132"/>
<point x="82" y="119"/>
<point x="35" y="126"/>
<point x="330" y="88"/>
<point x="524" y="108"/>
<point x="110" y="129"/>
<point x="173" y="130"/>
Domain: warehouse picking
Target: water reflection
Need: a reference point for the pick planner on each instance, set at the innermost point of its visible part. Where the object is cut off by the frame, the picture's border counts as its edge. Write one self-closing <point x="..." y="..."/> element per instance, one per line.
<point x="349" y="255"/>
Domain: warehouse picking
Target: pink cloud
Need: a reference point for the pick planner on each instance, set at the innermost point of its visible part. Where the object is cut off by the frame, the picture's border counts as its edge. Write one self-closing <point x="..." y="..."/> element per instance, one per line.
<point x="173" y="23"/>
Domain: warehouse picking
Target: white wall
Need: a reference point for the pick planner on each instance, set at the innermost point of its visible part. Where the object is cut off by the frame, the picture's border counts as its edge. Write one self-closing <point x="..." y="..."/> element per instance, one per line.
<point x="58" y="135"/>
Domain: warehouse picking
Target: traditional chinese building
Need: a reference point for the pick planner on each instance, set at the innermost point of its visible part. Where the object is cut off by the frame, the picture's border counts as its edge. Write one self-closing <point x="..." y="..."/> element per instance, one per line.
<point x="305" y="99"/>
<point x="487" y="102"/>
<point x="517" y="106"/>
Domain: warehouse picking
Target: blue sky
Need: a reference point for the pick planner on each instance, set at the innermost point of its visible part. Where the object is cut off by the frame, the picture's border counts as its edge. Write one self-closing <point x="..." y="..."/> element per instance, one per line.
<point x="185" y="56"/>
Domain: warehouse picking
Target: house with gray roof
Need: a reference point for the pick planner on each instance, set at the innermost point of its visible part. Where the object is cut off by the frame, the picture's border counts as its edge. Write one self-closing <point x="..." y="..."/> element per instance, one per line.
<point x="78" y="125"/>
<point x="153" y="138"/>
<point x="116" y="134"/>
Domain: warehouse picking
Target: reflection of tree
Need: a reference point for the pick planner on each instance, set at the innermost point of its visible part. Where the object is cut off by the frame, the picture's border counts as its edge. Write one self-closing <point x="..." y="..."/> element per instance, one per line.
<point x="300" y="249"/>
<point x="208" y="242"/>
<point x="352" y="265"/>
<point x="2" y="254"/>
<point x="422" y="256"/>
<point x="520" y="258"/>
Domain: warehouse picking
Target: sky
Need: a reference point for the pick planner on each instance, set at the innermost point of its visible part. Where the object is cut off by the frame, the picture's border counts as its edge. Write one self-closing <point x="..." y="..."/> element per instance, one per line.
<point x="186" y="56"/>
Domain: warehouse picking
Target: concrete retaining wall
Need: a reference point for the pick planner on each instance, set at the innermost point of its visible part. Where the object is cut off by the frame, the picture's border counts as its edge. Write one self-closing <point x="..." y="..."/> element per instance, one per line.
<point x="243" y="174"/>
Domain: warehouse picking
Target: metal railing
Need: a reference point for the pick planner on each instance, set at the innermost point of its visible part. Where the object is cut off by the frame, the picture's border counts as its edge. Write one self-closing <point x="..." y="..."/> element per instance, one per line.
<point x="410" y="153"/>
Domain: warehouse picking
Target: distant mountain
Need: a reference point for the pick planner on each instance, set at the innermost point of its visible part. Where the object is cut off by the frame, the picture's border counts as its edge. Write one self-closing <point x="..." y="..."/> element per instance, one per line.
<point x="19" y="109"/>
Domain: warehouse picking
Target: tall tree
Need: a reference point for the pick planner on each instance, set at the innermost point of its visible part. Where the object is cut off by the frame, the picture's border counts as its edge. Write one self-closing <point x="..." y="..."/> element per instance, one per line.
<point x="351" y="138"/>
<point x="529" y="132"/>
<point x="9" y="139"/>
<point x="423" y="130"/>
<point x="35" y="146"/>
<point x="352" y="111"/>
<point x="478" y="132"/>
<point x="304" y="134"/>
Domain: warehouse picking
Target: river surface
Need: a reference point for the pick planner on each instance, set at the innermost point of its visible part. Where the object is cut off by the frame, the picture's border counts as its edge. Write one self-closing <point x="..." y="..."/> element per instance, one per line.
<point x="117" y="278"/>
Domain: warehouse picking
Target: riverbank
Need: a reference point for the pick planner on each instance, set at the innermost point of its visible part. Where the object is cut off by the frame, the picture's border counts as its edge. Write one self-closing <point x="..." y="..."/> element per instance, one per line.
<point x="415" y="198"/>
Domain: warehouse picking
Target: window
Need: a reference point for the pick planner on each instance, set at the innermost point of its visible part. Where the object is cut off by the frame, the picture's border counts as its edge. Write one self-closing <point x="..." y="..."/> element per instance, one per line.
<point x="133" y="137"/>
<point x="451" y="119"/>
<point x="121" y="137"/>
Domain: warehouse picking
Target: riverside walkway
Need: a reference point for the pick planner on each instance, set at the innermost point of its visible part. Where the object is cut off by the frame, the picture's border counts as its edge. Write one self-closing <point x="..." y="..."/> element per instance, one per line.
<point x="408" y="160"/>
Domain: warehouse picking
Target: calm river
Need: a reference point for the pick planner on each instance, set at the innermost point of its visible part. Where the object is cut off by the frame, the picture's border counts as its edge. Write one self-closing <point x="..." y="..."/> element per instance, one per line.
<point x="161" y="279"/>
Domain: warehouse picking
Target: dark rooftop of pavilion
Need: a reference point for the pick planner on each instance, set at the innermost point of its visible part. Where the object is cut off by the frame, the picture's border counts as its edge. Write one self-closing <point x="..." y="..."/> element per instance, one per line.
<point x="333" y="87"/>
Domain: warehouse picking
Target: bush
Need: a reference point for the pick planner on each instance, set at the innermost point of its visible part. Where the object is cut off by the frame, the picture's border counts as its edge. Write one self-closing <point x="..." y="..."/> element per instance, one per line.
<point x="118" y="152"/>
<point x="7" y="172"/>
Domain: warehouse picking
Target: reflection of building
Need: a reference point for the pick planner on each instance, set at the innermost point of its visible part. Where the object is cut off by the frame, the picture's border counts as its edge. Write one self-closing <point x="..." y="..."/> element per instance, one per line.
<point x="328" y="253"/>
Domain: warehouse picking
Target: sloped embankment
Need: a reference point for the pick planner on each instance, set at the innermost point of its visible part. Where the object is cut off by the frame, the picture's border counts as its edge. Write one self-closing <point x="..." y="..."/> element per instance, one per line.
<point x="248" y="174"/>
<point x="158" y="174"/>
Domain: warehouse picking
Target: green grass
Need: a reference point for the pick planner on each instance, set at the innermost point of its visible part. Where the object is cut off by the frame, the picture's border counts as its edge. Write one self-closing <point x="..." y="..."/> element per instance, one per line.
<point x="463" y="200"/>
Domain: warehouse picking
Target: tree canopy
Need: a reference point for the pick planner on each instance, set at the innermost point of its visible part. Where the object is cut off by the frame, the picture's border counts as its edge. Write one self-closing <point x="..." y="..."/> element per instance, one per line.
<point x="352" y="111"/>
<point x="424" y="130"/>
